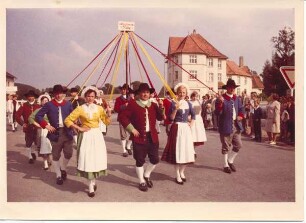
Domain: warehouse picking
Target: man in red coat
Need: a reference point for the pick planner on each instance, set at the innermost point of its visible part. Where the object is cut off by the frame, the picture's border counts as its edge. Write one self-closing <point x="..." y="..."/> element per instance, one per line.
<point x="139" y="119"/>
<point x="120" y="105"/>
<point x="30" y="130"/>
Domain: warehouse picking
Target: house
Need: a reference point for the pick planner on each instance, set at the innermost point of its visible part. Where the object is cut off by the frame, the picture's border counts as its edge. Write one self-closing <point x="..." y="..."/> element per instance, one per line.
<point x="241" y="75"/>
<point x="10" y="84"/>
<point x="201" y="59"/>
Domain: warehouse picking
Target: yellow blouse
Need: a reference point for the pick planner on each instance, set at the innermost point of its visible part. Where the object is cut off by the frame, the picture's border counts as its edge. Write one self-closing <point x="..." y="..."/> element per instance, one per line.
<point x="88" y="115"/>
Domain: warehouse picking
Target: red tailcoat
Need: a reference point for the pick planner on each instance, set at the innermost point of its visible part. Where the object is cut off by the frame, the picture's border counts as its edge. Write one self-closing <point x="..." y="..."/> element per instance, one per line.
<point x="120" y="105"/>
<point x="134" y="116"/>
<point x="167" y="104"/>
<point x="25" y="111"/>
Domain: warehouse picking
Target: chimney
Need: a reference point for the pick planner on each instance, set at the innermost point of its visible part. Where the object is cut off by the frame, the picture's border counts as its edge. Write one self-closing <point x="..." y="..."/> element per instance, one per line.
<point x="194" y="32"/>
<point x="241" y="61"/>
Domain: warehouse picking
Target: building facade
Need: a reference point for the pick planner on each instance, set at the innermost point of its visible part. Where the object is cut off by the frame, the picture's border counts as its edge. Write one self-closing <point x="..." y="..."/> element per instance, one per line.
<point x="205" y="64"/>
<point x="10" y="84"/>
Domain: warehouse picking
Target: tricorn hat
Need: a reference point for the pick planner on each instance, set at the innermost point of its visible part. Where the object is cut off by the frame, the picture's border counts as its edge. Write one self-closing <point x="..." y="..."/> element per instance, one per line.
<point x="230" y="83"/>
<point x="31" y="93"/>
<point x="144" y="87"/>
<point x="58" y="89"/>
<point x="125" y="86"/>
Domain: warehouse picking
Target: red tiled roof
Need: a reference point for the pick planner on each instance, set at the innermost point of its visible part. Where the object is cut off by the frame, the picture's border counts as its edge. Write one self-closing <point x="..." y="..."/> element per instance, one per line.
<point x="193" y="43"/>
<point x="233" y="69"/>
<point x="256" y="82"/>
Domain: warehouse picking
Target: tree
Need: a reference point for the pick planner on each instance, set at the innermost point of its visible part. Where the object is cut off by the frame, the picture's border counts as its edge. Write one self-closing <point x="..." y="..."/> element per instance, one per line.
<point x="283" y="55"/>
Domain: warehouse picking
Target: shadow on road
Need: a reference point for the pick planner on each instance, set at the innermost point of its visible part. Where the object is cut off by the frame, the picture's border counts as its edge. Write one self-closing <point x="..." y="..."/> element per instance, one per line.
<point x="16" y="163"/>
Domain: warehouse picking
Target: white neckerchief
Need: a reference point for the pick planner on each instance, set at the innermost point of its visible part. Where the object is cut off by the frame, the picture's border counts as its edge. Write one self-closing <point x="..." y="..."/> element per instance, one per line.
<point x="147" y="114"/>
<point x="183" y="105"/>
<point x="234" y="110"/>
<point x="90" y="109"/>
<point x="124" y="95"/>
<point x="31" y="103"/>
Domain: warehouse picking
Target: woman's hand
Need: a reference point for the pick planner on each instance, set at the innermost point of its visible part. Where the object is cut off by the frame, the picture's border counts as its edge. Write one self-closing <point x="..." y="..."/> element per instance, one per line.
<point x="83" y="129"/>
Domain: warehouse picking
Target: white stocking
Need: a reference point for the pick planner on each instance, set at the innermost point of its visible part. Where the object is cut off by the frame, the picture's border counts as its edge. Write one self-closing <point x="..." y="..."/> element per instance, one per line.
<point x="149" y="170"/>
<point x="140" y="171"/>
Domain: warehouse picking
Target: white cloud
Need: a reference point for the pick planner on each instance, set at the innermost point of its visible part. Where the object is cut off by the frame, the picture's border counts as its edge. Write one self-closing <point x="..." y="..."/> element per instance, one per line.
<point x="80" y="50"/>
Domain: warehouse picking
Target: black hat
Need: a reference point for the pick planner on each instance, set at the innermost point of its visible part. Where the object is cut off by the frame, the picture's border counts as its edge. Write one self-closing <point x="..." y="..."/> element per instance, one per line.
<point x="125" y="86"/>
<point x="58" y="89"/>
<point x="31" y="93"/>
<point x="143" y="87"/>
<point x="131" y="91"/>
<point x="74" y="89"/>
<point x="230" y="83"/>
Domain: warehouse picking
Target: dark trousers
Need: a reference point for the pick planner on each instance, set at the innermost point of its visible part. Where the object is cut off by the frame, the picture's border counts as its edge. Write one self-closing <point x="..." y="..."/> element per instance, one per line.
<point x="30" y="135"/>
<point x="141" y="151"/>
<point x="257" y="129"/>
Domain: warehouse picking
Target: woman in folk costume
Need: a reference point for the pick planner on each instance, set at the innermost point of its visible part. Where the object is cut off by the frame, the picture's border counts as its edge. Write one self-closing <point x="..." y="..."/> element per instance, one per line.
<point x="197" y="130"/>
<point x="91" y="148"/>
<point x="45" y="145"/>
<point x="179" y="149"/>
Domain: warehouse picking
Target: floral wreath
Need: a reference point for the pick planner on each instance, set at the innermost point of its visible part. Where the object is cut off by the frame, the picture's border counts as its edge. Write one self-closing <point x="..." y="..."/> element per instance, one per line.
<point x="92" y="88"/>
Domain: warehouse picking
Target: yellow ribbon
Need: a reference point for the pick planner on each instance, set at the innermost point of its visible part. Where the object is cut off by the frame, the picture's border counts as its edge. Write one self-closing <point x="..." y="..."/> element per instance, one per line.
<point x="155" y="68"/>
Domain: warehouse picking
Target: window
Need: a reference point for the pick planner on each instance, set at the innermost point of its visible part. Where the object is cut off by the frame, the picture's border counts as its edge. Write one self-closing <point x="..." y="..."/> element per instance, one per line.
<point x="219" y="77"/>
<point x="194" y="73"/>
<point x="210" y="77"/>
<point x="210" y="62"/>
<point x="239" y="82"/>
<point x="245" y="81"/>
<point x="192" y="58"/>
<point x="176" y="75"/>
<point x="219" y="64"/>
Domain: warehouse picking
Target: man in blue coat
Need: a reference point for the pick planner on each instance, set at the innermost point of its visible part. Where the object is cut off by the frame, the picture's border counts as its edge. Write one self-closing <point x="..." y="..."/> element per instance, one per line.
<point x="231" y="112"/>
<point x="60" y="136"/>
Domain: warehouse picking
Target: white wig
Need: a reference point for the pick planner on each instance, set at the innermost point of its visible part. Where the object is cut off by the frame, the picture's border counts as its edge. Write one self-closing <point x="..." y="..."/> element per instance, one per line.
<point x="181" y="85"/>
<point x="45" y="95"/>
<point x="88" y="88"/>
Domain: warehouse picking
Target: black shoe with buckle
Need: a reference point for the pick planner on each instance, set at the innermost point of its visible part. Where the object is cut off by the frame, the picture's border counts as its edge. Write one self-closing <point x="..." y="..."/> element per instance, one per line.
<point x="91" y="194"/>
<point x="130" y="152"/>
<point x="34" y="156"/>
<point x="183" y="179"/>
<point x="143" y="187"/>
<point x="233" y="168"/>
<point x="125" y="154"/>
<point x="59" y="181"/>
<point x="149" y="182"/>
<point x="227" y="170"/>
<point x="31" y="161"/>
<point x="179" y="182"/>
<point x="64" y="174"/>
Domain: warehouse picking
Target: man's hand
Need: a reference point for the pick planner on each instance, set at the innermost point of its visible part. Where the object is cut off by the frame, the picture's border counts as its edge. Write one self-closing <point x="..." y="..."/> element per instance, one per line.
<point x="135" y="133"/>
<point x="50" y="128"/>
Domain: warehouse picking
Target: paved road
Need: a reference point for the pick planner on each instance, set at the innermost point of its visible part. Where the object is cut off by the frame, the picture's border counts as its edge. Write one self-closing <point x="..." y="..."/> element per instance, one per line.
<point x="265" y="173"/>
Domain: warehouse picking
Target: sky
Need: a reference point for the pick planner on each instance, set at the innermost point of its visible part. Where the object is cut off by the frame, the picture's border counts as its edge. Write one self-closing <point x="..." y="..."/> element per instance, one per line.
<point x="51" y="46"/>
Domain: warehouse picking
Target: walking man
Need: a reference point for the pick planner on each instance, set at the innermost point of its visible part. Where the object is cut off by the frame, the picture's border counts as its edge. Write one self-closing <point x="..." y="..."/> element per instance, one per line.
<point x="120" y="105"/>
<point x="139" y="119"/>
<point x="29" y="130"/>
<point x="60" y="136"/>
<point x="230" y="111"/>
